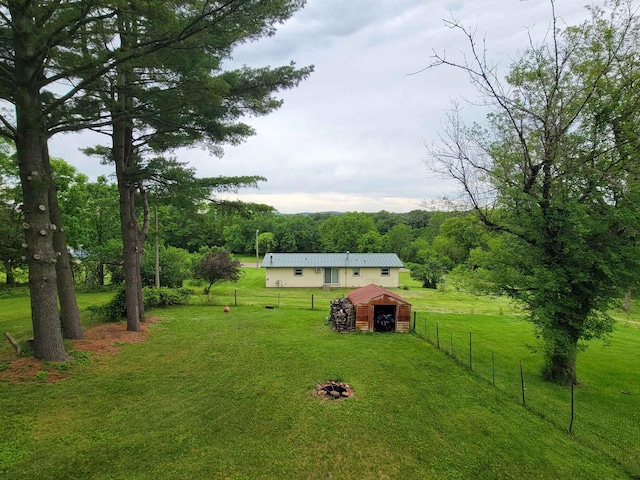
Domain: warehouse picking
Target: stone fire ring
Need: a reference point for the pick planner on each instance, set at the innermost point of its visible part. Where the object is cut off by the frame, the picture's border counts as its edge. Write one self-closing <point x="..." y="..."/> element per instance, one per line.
<point x="334" y="390"/>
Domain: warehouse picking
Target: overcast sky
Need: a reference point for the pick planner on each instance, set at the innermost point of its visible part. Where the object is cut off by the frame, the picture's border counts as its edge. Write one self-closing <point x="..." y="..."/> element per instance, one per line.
<point x="352" y="136"/>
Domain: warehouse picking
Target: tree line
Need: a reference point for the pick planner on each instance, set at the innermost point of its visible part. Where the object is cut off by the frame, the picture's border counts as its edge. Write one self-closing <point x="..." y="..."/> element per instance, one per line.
<point x="430" y="242"/>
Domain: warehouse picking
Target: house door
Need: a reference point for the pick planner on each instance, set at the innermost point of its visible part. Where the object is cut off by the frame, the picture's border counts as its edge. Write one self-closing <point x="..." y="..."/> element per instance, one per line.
<point x="331" y="276"/>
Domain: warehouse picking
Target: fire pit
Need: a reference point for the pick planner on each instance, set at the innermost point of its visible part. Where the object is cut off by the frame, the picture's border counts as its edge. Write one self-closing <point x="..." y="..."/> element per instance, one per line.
<point x="334" y="390"/>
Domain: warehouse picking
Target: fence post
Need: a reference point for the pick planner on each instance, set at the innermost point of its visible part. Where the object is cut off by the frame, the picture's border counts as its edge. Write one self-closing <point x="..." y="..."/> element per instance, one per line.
<point x="493" y="369"/>
<point x="437" y="337"/>
<point x="451" y="343"/>
<point x="572" y="409"/>
<point x="470" y="353"/>
<point x="414" y="321"/>
<point x="312" y="301"/>
<point x="522" y="383"/>
<point x="235" y="298"/>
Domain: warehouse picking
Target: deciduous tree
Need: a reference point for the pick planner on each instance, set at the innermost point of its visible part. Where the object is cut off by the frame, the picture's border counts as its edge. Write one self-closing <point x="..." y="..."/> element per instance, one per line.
<point x="555" y="173"/>
<point x="218" y="265"/>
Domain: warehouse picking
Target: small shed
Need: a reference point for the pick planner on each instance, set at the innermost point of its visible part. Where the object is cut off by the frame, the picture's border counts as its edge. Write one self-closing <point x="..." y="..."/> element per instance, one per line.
<point x="379" y="310"/>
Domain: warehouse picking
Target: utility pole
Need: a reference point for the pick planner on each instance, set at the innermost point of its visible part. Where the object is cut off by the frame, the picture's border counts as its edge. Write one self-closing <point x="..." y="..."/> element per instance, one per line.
<point x="257" y="266"/>
<point x="157" y="251"/>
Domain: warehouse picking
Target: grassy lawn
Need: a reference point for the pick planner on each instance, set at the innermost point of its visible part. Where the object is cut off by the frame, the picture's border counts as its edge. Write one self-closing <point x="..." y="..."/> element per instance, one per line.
<point x="215" y="395"/>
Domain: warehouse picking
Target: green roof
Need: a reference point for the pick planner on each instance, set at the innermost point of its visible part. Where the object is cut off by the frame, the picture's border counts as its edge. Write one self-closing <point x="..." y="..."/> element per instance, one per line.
<point x="279" y="260"/>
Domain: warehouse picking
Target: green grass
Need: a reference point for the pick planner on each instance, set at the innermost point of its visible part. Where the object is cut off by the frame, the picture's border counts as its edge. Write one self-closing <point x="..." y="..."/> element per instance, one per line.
<point x="15" y="313"/>
<point x="215" y="395"/>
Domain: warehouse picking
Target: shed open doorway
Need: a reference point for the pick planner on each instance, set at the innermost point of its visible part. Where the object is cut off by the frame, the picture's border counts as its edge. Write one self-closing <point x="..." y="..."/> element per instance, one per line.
<point x="384" y="318"/>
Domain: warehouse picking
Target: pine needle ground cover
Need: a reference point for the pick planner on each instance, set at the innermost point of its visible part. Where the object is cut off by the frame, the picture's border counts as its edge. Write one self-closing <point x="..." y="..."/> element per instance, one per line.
<point x="232" y="395"/>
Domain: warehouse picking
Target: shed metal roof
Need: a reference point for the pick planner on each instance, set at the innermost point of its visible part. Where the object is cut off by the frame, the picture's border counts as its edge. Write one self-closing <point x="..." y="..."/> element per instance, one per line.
<point x="365" y="294"/>
<point x="331" y="260"/>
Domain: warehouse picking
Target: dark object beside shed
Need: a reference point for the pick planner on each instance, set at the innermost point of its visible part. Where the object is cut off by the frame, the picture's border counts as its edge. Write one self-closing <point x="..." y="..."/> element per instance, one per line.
<point x="379" y="310"/>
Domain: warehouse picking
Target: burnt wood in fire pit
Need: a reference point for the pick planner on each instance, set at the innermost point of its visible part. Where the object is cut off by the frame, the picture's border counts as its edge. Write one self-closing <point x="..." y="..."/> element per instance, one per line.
<point x="333" y="389"/>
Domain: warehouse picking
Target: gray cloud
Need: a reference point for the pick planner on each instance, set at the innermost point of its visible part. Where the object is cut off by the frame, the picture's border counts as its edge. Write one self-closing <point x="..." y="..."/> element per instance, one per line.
<point x="352" y="137"/>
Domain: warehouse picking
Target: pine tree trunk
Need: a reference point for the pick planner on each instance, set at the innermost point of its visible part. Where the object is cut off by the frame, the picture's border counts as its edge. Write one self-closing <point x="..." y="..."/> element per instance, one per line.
<point x="128" y="225"/>
<point x="69" y="312"/>
<point x="100" y="273"/>
<point x="41" y="256"/>
<point x="30" y="136"/>
<point x="124" y="159"/>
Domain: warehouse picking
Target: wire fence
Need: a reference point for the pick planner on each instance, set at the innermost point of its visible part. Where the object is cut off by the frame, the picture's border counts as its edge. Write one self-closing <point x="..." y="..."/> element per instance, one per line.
<point x="315" y="301"/>
<point x="585" y="414"/>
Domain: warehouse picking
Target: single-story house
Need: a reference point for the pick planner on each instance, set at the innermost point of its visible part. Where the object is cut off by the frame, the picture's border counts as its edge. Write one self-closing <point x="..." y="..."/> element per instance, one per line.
<point x="338" y="270"/>
<point x="379" y="310"/>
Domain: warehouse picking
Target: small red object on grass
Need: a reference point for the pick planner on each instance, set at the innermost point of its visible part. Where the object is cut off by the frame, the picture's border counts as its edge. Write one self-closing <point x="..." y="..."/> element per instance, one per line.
<point x="227" y="309"/>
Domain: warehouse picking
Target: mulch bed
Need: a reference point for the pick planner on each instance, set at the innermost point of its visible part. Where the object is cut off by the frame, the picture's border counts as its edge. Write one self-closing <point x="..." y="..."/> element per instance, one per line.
<point x="103" y="339"/>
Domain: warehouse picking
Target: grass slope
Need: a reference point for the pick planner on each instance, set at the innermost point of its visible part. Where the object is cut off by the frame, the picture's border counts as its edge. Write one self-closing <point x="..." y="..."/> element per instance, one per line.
<point x="214" y="395"/>
<point x="211" y="395"/>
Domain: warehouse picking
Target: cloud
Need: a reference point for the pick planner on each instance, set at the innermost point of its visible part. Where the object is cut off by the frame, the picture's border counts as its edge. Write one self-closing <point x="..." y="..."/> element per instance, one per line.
<point x="352" y="136"/>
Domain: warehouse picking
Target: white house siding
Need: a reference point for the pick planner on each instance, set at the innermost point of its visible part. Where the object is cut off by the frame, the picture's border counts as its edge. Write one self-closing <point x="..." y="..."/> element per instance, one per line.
<point x="314" y="277"/>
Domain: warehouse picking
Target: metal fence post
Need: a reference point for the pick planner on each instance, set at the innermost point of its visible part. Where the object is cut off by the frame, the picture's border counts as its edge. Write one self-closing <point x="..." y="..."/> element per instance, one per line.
<point x="572" y="410"/>
<point x="470" y="353"/>
<point x="522" y="384"/>
<point x="493" y="369"/>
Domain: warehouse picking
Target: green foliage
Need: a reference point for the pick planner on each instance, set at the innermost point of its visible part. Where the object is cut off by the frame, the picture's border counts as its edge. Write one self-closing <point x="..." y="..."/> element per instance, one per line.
<point x="165" y="297"/>
<point x="555" y="174"/>
<point x="371" y="242"/>
<point x="398" y="240"/>
<point x="25" y="349"/>
<point x="266" y="242"/>
<point x="458" y="236"/>
<point x="11" y="218"/>
<point x="175" y="266"/>
<point x="216" y="265"/>
<point x="116" y="309"/>
<point x="342" y="233"/>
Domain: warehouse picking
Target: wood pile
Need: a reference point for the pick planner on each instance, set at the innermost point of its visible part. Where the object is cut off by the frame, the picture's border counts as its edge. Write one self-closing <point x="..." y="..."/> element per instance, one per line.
<point x="343" y="315"/>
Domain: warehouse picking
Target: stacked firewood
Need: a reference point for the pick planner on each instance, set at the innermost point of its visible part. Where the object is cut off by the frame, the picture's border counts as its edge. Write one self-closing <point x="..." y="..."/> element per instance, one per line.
<point x="342" y="315"/>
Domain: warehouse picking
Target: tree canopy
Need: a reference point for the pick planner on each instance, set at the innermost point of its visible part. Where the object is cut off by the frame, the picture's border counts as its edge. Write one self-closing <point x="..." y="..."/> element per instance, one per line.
<point x="67" y="66"/>
<point x="554" y="173"/>
<point x="217" y="265"/>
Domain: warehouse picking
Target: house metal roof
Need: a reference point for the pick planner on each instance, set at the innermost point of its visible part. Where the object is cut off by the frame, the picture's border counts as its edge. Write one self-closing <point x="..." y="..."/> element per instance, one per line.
<point x="279" y="260"/>
<point x="368" y="293"/>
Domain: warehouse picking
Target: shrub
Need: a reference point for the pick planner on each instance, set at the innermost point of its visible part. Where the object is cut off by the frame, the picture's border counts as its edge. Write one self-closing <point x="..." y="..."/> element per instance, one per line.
<point x="175" y="267"/>
<point x="116" y="309"/>
<point x="164" y="297"/>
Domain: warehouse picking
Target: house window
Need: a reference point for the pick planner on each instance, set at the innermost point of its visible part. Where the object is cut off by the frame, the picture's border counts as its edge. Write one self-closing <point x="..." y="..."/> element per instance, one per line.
<point x="331" y="276"/>
<point x="356" y="272"/>
<point x="297" y="272"/>
<point x="384" y="272"/>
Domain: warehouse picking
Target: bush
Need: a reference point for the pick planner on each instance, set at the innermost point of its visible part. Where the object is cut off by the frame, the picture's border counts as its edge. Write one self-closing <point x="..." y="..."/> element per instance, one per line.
<point x="116" y="309"/>
<point x="164" y="297"/>
<point x="175" y="267"/>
